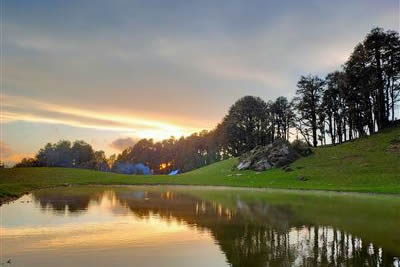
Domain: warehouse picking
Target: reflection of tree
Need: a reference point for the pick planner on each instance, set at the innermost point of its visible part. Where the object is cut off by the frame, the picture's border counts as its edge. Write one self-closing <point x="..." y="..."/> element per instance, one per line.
<point x="59" y="203"/>
<point x="254" y="234"/>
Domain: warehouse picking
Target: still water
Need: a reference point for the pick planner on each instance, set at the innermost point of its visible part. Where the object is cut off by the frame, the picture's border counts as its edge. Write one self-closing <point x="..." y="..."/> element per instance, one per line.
<point x="199" y="226"/>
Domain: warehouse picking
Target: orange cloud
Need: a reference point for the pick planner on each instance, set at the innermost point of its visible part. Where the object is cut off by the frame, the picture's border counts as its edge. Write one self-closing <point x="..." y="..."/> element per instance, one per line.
<point x="17" y="108"/>
<point x="9" y="156"/>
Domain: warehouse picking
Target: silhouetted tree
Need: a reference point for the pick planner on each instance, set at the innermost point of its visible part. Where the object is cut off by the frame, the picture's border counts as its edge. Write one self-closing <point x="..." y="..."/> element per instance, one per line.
<point x="56" y="155"/>
<point x="27" y="162"/>
<point x="246" y="125"/>
<point x="284" y="117"/>
<point x="82" y="153"/>
<point x="307" y="101"/>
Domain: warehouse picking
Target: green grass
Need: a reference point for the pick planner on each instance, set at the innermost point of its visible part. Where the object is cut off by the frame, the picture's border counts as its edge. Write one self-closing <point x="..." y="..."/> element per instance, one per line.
<point x="364" y="165"/>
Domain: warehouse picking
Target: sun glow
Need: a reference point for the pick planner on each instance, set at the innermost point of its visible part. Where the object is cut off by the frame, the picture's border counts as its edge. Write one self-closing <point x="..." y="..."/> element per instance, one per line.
<point x="163" y="166"/>
<point x="23" y="109"/>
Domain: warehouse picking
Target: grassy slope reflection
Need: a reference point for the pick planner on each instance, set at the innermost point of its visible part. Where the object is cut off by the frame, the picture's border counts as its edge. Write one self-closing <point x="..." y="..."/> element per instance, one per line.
<point x="254" y="227"/>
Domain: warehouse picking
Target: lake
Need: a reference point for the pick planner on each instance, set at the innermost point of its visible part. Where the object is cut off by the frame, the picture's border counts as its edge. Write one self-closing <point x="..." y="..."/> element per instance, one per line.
<point x="199" y="226"/>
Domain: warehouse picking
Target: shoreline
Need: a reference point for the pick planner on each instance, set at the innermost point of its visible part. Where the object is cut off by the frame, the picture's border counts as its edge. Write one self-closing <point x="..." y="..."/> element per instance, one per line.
<point x="8" y="199"/>
<point x="227" y="187"/>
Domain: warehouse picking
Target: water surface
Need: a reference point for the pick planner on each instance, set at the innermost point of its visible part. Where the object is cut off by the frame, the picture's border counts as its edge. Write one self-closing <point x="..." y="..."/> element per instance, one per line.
<point x="199" y="226"/>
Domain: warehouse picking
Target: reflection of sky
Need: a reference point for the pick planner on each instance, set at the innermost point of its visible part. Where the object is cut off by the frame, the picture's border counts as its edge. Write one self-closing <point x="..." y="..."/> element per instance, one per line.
<point x="34" y="216"/>
<point x="30" y="234"/>
<point x="117" y="226"/>
<point x="163" y="68"/>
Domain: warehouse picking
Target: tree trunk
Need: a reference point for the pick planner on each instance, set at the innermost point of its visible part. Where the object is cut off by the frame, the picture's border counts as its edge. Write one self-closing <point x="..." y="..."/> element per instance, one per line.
<point x="381" y="91"/>
<point x="392" y="97"/>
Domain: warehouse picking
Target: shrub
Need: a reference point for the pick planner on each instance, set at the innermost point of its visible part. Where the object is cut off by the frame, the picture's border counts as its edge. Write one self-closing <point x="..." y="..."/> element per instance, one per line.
<point x="301" y="147"/>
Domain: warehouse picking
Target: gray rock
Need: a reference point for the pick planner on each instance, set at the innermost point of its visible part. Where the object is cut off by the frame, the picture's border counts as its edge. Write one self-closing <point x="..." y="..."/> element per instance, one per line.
<point x="262" y="165"/>
<point x="261" y="158"/>
<point x="244" y="165"/>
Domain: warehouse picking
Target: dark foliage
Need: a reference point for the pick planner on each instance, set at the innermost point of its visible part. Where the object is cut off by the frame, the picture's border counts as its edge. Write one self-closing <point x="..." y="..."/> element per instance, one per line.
<point x="62" y="154"/>
<point x="356" y="101"/>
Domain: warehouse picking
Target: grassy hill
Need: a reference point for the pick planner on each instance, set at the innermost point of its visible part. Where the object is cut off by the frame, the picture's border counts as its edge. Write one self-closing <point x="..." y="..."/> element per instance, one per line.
<point x="370" y="164"/>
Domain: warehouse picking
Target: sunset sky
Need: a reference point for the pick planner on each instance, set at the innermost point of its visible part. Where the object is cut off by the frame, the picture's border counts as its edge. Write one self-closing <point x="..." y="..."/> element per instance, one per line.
<point x="111" y="72"/>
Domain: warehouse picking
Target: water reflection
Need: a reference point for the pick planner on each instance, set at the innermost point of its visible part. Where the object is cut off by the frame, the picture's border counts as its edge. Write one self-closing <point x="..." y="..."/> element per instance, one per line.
<point x="250" y="228"/>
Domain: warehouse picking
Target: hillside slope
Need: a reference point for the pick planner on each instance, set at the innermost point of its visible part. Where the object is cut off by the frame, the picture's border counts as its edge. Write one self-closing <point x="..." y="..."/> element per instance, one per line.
<point x="370" y="164"/>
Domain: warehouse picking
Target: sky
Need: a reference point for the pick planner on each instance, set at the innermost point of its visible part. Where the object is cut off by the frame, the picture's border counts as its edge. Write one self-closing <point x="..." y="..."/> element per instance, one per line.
<point x="112" y="72"/>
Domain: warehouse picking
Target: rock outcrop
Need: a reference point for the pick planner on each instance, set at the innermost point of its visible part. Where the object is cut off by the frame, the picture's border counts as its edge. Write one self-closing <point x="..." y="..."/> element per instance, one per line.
<point x="278" y="154"/>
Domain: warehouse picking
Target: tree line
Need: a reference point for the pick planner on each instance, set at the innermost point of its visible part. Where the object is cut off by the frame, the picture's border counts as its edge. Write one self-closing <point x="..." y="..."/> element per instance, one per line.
<point x="357" y="100"/>
<point x="78" y="154"/>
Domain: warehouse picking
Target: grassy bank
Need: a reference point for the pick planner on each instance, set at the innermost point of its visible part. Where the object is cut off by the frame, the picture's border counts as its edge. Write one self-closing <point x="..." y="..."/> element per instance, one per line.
<point x="370" y="164"/>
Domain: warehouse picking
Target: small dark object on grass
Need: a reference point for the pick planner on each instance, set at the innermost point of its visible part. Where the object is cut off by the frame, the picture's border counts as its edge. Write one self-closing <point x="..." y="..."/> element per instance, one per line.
<point x="300" y="167"/>
<point x="288" y="169"/>
<point x="7" y="262"/>
<point x="302" y="178"/>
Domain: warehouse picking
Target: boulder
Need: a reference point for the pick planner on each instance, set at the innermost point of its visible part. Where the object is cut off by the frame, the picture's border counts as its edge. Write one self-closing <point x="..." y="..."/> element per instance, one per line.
<point x="278" y="154"/>
<point x="243" y="165"/>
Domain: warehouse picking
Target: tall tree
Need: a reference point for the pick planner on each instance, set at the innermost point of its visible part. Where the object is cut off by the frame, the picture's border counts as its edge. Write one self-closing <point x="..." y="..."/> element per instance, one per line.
<point x="82" y="153"/>
<point x="334" y="109"/>
<point x="283" y="115"/>
<point x="374" y="45"/>
<point x="391" y="59"/>
<point x="246" y="125"/>
<point x="361" y="97"/>
<point x="308" y="100"/>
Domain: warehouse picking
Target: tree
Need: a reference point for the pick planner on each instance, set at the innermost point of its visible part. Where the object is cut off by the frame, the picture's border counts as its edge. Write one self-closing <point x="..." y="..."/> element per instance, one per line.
<point x="246" y="125"/>
<point x="307" y="101"/>
<point x="383" y="53"/>
<point x="56" y="155"/>
<point x="111" y="160"/>
<point x="27" y="162"/>
<point x="81" y="153"/>
<point x="98" y="162"/>
<point x="374" y="46"/>
<point x="334" y="109"/>
<point x="361" y="95"/>
<point x="391" y="59"/>
<point x="284" y="116"/>
<point x="62" y="154"/>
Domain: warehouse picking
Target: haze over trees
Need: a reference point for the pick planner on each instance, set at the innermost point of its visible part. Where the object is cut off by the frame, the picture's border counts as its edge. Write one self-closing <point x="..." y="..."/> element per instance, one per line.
<point x="357" y="100"/>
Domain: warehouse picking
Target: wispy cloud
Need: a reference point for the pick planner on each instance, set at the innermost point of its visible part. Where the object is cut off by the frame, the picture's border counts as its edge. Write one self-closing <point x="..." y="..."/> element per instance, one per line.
<point x="18" y="108"/>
